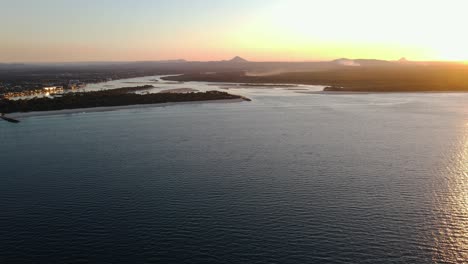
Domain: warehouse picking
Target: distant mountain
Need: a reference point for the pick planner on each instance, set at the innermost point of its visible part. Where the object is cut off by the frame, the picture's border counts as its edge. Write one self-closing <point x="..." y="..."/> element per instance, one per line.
<point x="403" y="60"/>
<point x="238" y="59"/>
<point x="406" y="61"/>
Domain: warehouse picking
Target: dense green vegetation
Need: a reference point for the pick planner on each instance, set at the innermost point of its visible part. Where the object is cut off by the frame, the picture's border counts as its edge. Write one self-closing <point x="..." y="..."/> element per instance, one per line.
<point x="116" y="97"/>
<point x="395" y="78"/>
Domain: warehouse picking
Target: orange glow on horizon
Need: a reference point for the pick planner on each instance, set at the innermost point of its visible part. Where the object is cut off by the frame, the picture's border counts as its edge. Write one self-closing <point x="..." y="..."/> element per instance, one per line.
<point x="282" y="30"/>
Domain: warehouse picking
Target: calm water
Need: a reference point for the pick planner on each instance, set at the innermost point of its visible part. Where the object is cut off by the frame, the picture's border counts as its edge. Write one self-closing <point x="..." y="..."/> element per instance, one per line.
<point x="287" y="178"/>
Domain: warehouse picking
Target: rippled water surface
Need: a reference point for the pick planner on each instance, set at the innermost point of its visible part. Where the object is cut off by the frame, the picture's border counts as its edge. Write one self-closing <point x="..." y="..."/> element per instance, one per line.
<point x="287" y="178"/>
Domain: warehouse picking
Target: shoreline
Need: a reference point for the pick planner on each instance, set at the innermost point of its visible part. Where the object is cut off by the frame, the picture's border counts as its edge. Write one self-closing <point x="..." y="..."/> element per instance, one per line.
<point x="179" y="90"/>
<point x="115" y="108"/>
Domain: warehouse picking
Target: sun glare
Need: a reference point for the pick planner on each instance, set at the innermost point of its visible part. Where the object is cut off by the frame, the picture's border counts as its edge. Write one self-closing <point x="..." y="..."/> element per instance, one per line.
<point x="420" y="30"/>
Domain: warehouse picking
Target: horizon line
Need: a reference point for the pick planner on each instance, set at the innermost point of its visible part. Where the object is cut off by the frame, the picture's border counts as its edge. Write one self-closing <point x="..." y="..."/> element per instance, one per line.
<point x="207" y="61"/>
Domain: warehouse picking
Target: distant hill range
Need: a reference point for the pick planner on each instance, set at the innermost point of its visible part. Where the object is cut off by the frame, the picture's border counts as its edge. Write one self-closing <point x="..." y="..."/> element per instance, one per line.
<point x="237" y="60"/>
<point x="237" y="64"/>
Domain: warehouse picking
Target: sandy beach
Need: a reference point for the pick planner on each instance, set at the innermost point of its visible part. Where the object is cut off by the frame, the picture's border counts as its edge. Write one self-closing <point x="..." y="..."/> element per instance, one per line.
<point x="115" y="108"/>
<point x="179" y="90"/>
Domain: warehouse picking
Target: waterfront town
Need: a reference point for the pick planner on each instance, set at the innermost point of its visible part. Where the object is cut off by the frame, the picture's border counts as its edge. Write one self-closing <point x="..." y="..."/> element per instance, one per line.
<point x="21" y="91"/>
<point x="29" y="81"/>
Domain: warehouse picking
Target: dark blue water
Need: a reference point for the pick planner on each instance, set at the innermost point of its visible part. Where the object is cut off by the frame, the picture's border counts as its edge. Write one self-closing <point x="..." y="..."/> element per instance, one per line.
<point x="284" y="179"/>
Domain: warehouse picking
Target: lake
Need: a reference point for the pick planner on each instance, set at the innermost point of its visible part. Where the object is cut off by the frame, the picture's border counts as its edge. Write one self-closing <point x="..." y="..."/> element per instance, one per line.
<point x="286" y="178"/>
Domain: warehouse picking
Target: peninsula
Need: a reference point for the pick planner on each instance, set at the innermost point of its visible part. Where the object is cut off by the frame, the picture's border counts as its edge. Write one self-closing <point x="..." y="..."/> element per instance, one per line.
<point x="109" y="98"/>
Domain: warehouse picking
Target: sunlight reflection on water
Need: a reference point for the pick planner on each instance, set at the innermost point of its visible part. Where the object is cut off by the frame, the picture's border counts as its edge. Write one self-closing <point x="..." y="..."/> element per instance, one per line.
<point x="451" y="239"/>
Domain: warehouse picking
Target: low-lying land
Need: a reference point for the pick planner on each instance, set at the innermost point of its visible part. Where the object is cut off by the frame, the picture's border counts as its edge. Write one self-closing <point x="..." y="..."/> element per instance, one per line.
<point x="394" y="78"/>
<point x="117" y="97"/>
<point x="345" y="75"/>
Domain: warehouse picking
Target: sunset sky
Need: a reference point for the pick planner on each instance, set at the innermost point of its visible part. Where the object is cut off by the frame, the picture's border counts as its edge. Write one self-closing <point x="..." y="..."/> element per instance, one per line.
<point x="261" y="30"/>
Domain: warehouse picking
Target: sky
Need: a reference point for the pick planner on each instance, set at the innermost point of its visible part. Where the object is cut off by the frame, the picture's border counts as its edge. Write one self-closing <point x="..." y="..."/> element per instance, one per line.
<point x="258" y="30"/>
